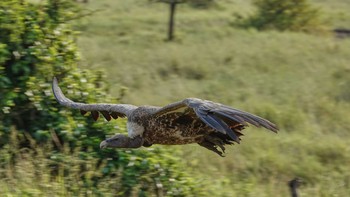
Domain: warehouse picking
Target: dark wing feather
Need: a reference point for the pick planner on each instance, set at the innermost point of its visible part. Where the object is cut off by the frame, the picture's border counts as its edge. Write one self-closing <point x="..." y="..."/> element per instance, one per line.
<point x="218" y="124"/>
<point x="246" y="117"/>
<point x="222" y="118"/>
<point x="107" y="110"/>
<point x="239" y="116"/>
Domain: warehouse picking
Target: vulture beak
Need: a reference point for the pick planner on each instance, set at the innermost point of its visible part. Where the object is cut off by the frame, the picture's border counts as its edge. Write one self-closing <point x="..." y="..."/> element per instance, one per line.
<point x="103" y="144"/>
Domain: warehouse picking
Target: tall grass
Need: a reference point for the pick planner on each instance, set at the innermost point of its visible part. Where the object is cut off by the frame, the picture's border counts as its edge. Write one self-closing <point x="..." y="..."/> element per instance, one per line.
<point x="29" y="172"/>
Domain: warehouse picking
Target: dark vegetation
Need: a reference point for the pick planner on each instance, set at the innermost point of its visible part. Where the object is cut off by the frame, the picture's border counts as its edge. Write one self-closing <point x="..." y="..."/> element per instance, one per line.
<point x="292" y="15"/>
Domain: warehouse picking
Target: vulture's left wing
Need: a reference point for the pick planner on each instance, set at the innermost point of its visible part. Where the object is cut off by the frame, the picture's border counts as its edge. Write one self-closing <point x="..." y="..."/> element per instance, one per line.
<point x="220" y="117"/>
<point x="107" y="110"/>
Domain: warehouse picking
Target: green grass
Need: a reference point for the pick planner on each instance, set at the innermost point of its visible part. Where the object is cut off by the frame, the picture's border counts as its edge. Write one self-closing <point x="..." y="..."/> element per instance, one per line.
<point x="300" y="81"/>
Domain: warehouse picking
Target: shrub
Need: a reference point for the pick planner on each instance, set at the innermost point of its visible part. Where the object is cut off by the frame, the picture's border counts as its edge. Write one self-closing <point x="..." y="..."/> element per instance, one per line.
<point x="293" y="15"/>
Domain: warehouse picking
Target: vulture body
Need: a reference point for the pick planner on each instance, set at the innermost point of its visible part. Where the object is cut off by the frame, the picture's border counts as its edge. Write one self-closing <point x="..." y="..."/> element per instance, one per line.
<point x="211" y="125"/>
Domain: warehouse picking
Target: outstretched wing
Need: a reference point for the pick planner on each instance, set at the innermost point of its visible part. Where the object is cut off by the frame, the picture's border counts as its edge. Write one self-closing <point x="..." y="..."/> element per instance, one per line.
<point x="108" y="111"/>
<point x="220" y="117"/>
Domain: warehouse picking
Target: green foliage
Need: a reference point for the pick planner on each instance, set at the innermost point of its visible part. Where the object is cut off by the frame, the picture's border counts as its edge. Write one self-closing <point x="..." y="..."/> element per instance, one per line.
<point x="293" y="15"/>
<point x="37" y="43"/>
<point x="34" y="48"/>
<point x="132" y="173"/>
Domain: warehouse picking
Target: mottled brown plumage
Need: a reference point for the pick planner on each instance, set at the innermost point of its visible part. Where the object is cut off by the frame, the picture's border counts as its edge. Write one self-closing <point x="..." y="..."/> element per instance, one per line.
<point x="211" y="125"/>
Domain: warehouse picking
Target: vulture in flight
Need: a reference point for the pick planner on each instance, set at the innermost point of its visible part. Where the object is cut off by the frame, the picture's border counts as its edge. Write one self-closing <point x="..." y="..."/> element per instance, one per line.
<point x="192" y="120"/>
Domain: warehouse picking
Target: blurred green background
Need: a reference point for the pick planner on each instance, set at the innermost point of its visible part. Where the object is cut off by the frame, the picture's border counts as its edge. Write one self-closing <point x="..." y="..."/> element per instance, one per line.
<point x="290" y="68"/>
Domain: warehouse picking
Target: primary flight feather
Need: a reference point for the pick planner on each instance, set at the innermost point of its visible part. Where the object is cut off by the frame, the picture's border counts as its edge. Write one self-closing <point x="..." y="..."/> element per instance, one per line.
<point x="192" y="120"/>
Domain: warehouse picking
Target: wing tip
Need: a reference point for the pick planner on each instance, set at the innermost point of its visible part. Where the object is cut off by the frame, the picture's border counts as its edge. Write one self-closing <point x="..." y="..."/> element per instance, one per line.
<point x="55" y="88"/>
<point x="272" y="127"/>
<point x="58" y="94"/>
<point x="275" y="129"/>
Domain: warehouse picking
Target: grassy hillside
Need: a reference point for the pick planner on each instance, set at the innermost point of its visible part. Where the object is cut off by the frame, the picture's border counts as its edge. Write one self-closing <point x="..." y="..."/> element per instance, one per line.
<point x="300" y="81"/>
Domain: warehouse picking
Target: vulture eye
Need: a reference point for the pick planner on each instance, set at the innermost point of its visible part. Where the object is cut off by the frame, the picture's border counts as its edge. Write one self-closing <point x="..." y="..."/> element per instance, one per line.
<point x="111" y="139"/>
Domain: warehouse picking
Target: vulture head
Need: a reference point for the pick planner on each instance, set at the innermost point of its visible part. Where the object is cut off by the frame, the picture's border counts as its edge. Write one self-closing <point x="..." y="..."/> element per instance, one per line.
<point x="121" y="141"/>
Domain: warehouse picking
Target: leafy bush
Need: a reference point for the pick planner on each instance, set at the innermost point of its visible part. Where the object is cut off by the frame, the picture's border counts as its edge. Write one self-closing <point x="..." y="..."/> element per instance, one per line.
<point x="34" y="48"/>
<point x="36" y="44"/>
<point x="294" y="15"/>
